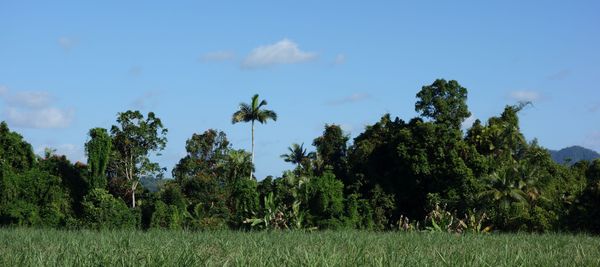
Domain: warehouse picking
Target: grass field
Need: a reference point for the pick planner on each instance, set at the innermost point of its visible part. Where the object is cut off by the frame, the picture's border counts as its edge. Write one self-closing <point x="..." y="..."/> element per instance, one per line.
<point x="27" y="247"/>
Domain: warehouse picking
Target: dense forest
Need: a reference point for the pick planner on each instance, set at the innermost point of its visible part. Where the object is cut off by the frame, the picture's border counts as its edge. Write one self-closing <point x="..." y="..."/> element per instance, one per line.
<point x="424" y="173"/>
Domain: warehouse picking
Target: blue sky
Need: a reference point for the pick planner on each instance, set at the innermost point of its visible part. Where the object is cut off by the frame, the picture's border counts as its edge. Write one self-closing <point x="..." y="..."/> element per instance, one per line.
<point x="66" y="67"/>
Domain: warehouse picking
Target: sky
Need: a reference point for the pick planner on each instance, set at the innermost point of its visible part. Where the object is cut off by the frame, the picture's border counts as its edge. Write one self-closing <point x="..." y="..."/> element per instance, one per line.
<point x="69" y="66"/>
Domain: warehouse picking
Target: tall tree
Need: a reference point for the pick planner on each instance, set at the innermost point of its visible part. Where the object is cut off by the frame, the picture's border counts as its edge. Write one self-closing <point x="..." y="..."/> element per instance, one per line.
<point x="98" y="150"/>
<point x="206" y="153"/>
<point x="134" y="139"/>
<point x="253" y="112"/>
<point x="332" y="149"/>
<point x="443" y="101"/>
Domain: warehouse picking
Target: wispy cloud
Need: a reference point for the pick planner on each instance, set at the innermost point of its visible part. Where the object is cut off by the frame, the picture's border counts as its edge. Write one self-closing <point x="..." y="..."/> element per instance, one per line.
<point x="34" y="109"/>
<point x="356" y="97"/>
<point x="43" y="118"/>
<point x="67" y="43"/>
<point x="30" y="99"/>
<point x="282" y="52"/>
<point x="148" y="100"/>
<point x="559" y="75"/>
<point x="135" y="71"/>
<point x="526" y="95"/>
<point x="594" y="107"/>
<point x="217" y="56"/>
<point x="339" y="59"/>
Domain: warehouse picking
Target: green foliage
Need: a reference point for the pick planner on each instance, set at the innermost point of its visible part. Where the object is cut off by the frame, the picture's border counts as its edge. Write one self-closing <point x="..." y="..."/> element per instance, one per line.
<point x="332" y="151"/>
<point x="271" y="217"/>
<point x="33" y="198"/>
<point x="133" y="140"/>
<point x="98" y="150"/>
<point x="444" y="102"/>
<point x="15" y="153"/>
<point x="101" y="210"/>
<point x="298" y="155"/>
<point x="392" y="171"/>
<point x="382" y="206"/>
<point x="585" y="211"/>
<point x="237" y="163"/>
<point x="207" y="153"/>
<point x="72" y="177"/>
<point x="441" y="220"/>
<point x="167" y="216"/>
<point x="243" y="201"/>
<point x="325" y="201"/>
<point x="251" y="113"/>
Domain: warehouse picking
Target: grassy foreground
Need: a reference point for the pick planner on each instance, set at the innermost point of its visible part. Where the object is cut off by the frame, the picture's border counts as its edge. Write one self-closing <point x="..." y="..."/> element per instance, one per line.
<point x="28" y="247"/>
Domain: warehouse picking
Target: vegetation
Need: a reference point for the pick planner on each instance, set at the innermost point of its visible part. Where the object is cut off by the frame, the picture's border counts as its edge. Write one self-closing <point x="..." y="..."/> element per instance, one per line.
<point x="26" y="247"/>
<point x="422" y="174"/>
<point x="251" y="113"/>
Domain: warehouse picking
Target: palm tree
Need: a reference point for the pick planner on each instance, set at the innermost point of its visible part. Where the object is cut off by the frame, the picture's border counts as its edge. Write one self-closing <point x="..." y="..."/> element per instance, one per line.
<point x="515" y="182"/>
<point x="297" y="154"/>
<point x="252" y="112"/>
<point x="238" y="162"/>
<point x="504" y="190"/>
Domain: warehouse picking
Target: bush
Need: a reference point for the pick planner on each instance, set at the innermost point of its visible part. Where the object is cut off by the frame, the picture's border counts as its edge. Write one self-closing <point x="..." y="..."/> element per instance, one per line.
<point x="33" y="198"/>
<point x="102" y="210"/>
<point x="167" y="216"/>
<point x="326" y="201"/>
<point x="243" y="201"/>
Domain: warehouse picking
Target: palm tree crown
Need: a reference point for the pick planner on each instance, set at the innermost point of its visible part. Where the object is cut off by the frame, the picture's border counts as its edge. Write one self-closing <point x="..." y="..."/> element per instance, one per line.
<point x="253" y="112"/>
<point x="297" y="154"/>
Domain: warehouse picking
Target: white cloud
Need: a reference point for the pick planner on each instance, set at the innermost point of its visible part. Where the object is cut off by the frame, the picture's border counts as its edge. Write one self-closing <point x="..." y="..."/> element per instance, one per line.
<point x="282" y="52"/>
<point x="30" y="99"/>
<point x="339" y="59"/>
<point x="33" y="109"/>
<point x="356" y="97"/>
<point x="66" y="43"/>
<point x="217" y="56"/>
<point x="525" y="96"/>
<point x="44" y="118"/>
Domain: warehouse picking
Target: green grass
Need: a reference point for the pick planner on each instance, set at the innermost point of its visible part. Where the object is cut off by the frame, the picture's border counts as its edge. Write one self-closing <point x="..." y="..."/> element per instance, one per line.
<point x="28" y="247"/>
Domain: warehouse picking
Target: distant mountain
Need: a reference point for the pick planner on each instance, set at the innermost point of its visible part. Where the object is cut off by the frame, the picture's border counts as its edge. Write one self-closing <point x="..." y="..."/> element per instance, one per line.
<point x="151" y="183"/>
<point x="574" y="154"/>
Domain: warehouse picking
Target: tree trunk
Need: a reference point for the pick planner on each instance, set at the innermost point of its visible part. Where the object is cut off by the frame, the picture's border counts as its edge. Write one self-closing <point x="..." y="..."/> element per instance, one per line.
<point x="133" y="188"/>
<point x="252" y="150"/>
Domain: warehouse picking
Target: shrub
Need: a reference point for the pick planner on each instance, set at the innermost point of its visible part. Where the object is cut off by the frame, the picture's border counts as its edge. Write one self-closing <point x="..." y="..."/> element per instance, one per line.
<point x="102" y="210"/>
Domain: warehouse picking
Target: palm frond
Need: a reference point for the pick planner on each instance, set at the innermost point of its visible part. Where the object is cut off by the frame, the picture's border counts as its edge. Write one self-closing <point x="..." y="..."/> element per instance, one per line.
<point x="244" y="114"/>
<point x="264" y="115"/>
<point x="262" y="103"/>
<point x="254" y="103"/>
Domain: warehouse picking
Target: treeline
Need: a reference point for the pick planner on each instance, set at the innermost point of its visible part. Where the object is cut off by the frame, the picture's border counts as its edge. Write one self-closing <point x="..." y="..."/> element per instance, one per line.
<point x="424" y="173"/>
